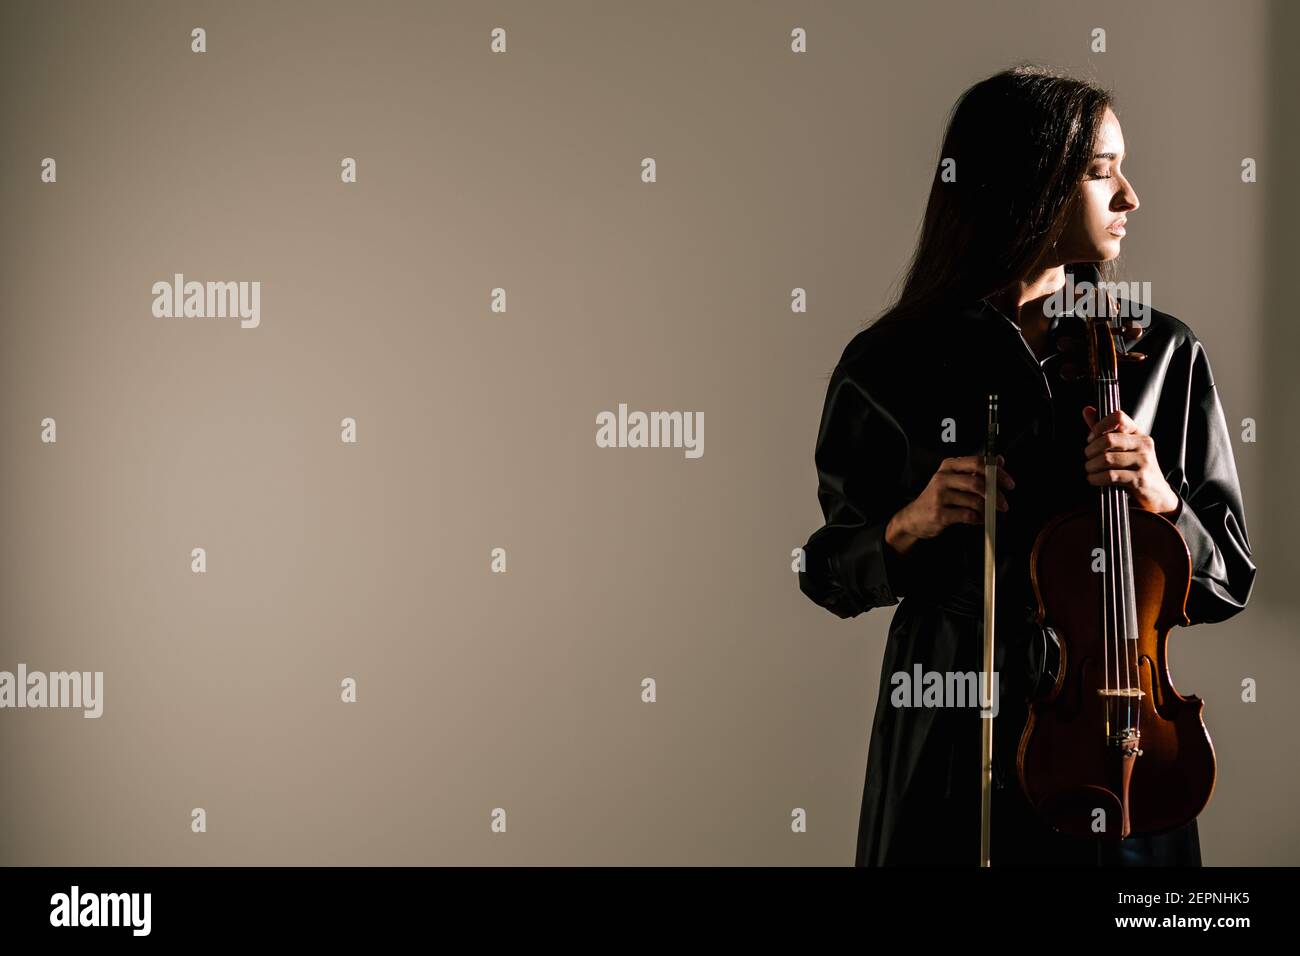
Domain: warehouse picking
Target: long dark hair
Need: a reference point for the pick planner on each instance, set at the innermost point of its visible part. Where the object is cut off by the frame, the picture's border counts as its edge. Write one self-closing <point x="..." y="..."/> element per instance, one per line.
<point x="1021" y="141"/>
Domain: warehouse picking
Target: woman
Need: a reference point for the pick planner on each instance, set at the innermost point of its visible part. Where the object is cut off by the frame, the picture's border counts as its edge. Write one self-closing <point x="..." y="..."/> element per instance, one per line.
<point x="1028" y="202"/>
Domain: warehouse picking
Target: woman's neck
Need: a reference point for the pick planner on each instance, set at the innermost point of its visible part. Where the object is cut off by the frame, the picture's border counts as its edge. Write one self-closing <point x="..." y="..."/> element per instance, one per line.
<point x="1023" y="301"/>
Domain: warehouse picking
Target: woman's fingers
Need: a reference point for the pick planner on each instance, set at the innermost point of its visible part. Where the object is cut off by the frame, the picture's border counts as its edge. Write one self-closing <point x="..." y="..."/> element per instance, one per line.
<point x="974" y="465"/>
<point x="966" y="463"/>
<point x="974" y="485"/>
<point x="1114" y="461"/>
<point x="965" y="516"/>
<point x="958" y="490"/>
<point x="954" y="498"/>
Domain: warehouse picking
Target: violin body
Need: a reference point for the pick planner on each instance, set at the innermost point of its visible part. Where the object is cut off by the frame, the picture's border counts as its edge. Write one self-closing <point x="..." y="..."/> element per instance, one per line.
<point x="1112" y="749"/>
<point x="1146" y="760"/>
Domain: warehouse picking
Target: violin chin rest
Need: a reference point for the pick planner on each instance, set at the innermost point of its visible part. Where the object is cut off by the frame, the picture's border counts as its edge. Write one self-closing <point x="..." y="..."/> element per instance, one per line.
<point x="1089" y="811"/>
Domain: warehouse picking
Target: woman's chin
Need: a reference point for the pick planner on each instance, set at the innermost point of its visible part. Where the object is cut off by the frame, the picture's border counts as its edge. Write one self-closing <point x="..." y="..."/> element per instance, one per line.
<point x="1108" y="250"/>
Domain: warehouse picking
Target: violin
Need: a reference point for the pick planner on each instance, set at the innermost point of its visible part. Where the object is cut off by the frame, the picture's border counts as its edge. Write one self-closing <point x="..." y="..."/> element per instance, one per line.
<point x="1112" y="749"/>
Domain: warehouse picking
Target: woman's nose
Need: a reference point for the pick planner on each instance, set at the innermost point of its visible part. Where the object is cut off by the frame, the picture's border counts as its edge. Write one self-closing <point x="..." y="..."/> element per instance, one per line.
<point x="1129" y="198"/>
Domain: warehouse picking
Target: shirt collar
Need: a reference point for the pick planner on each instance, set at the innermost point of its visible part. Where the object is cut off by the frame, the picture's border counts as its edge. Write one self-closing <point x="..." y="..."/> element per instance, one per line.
<point x="1062" y="323"/>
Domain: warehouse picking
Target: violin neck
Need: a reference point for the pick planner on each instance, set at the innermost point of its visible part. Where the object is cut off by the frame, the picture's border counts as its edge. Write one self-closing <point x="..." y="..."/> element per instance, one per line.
<point x="1108" y="404"/>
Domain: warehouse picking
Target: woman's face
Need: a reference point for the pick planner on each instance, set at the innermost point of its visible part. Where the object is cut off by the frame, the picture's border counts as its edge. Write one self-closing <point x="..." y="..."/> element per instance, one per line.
<point x="1094" y="228"/>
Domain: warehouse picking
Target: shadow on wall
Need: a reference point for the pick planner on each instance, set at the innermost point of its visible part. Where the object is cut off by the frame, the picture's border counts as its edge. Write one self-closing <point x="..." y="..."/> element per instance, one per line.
<point x="1279" y="506"/>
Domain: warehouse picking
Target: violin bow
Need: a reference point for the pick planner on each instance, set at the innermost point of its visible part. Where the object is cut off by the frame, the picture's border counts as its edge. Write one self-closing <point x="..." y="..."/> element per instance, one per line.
<point x="990" y="586"/>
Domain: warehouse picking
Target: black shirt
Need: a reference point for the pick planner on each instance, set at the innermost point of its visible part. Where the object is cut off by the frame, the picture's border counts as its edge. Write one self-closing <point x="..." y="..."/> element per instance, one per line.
<point x="899" y="390"/>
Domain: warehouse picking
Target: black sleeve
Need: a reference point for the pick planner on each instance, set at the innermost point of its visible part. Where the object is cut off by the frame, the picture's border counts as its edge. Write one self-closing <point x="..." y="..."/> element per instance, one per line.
<point x="861" y="458"/>
<point x="1211" y="516"/>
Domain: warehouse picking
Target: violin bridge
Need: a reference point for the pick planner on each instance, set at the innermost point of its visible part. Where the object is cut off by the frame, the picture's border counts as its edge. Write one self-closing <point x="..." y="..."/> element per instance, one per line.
<point x="1121" y="692"/>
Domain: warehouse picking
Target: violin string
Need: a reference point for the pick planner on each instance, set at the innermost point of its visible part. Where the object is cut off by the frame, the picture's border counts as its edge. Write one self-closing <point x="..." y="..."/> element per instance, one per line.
<point x="1103" y="409"/>
<point x="1125" y="556"/>
<point x="1135" y="709"/>
<point x="1111" y="558"/>
<point x="1130" y="635"/>
<point x="1126" y="567"/>
<point x="1131" y="646"/>
<point x="1107" y="590"/>
<point x="1116" y="592"/>
<point x="1115" y="504"/>
<point x="1117" y="556"/>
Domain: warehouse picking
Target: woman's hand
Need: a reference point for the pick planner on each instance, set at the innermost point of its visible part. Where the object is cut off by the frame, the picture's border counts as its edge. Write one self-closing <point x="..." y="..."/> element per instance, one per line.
<point x="1117" y="453"/>
<point x="955" y="495"/>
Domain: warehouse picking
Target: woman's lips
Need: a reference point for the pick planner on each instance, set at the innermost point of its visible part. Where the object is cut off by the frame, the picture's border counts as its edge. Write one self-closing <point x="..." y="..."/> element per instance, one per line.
<point x="1116" y="229"/>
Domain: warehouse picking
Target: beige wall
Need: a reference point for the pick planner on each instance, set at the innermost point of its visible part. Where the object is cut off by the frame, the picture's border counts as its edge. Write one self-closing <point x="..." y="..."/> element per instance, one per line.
<point x="476" y="430"/>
